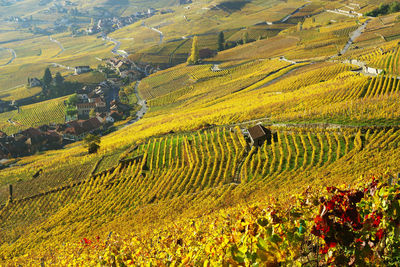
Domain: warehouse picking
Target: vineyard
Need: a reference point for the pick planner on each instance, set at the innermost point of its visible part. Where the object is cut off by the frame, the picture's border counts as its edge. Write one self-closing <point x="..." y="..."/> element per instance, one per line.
<point x="194" y="168"/>
<point x="274" y="233"/>
<point x="183" y="185"/>
<point x="19" y="93"/>
<point x="34" y="115"/>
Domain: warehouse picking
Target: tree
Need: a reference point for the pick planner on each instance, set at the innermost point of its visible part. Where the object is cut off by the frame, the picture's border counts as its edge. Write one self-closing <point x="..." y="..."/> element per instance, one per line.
<point x="72" y="100"/>
<point x="221" y="41"/>
<point x="71" y="111"/>
<point x="194" y="57"/>
<point x="58" y="79"/>
<point x="92" y="143"/>
<point x="92" y="113"/>
<point x="246" y="37"/>
<point x="47" y="78"/>
<point x="122" y="96"/>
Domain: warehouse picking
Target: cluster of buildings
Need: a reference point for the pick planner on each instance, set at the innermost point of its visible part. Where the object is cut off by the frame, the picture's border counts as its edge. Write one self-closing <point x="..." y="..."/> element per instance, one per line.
<point x="102" y="100"/>
<point x="47" y="137"/>
<point x="127" y="69"/>
<point x="110" y="24"/>
<point x="28" y="142"/>
<point x="54" y="136"/>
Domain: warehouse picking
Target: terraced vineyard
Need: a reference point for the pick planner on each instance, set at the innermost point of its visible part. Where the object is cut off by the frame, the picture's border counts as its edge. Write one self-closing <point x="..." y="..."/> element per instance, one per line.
<point x="174" y="187"/>
<point x="34" y="115"/>
<point x="174" y="167"/>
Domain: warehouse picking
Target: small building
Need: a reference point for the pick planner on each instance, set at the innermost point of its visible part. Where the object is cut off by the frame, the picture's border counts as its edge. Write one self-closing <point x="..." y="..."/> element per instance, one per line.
<point x="258" y="135"/>
<point x="82" y="69"/>
<point x="85" y="108"/>
<point x="132" y="75"/>
<point x="105" y="118"/>
<point x="77" y="129"/>
<point x="33" y="82"/>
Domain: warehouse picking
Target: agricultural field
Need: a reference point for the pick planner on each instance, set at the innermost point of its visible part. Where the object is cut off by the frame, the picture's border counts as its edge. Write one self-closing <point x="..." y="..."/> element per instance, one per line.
<point x="93" y="77"/>
<point x="34" y="115"/>
<point x="183" y="183"/>
<point x="177" y="166"/>
<point x="19" y="93"/>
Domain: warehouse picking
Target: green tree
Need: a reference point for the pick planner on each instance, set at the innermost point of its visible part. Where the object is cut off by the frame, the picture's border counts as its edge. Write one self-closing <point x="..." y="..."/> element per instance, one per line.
<point x="221" y="41"/>
<point x="194" y="57"/>
<point x="47" y="77"/>
<point x="122" y="96"/>
<point x="72" y="100"/>
<point x="58" y="79"/>
<point x="92" y="143"/>
<point x="71" y="111"/>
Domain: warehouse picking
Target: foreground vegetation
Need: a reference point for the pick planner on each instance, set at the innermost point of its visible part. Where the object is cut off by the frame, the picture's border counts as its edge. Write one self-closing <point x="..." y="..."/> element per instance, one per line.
<point x="339" y="226"/>
<point x="183" y="186"/>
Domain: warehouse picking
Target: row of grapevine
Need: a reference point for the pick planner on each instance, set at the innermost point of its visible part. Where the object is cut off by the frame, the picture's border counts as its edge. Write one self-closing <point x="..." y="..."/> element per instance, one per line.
<point x="187" y="166"/>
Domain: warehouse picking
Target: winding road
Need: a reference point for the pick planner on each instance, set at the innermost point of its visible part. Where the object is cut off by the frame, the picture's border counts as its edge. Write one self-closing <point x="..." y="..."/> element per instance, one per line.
<point x="13" y="56"/>
<point x="116" y="50"/>
<point x="161" y="34"/>
<point x="157" y="31"/>
<point x="59" y="44"/>
<point x="141" y="102"/>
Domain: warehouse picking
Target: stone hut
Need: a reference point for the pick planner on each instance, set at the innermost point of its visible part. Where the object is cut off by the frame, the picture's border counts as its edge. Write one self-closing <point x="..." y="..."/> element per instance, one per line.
<point x="258" y="135"/>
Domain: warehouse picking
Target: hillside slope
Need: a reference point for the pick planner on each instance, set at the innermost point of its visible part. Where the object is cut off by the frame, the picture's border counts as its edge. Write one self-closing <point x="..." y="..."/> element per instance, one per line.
<point x="173" y="187"/>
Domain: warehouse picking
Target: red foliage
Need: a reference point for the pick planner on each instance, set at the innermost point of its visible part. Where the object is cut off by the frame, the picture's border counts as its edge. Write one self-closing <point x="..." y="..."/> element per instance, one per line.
<point x="338" y="218"/>
<point x="379" y="234"/>
<point x="86" y="242"/>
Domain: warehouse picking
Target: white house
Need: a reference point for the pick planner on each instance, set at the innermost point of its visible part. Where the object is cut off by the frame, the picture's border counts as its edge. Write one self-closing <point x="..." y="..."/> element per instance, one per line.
<point x="82" y="69"/>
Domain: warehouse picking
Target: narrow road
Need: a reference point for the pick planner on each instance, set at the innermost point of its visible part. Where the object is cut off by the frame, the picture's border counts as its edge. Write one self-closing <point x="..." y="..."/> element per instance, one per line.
<point x="13" y="56"/>
<point x="342" y="13"/>
<point x="62" y="66"/>
<point x="294" y="12"/>
<point x="115" y="50"/>
<point x="354" y="36"/>
<point x="59" y="44"/>
<point x="142" y="103"/>
<point x="283" y="58"/>
<point x="161" y="34"/>
<point x="156" y="30"/>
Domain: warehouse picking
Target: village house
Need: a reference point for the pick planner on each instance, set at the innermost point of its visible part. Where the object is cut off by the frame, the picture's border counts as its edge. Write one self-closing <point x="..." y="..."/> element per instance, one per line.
<point x="33" y="82"/>
<point x="82" y="69"/>
<point x="85" y="108"/>
<point x="258" y="135"/>
<point x="105" y="118"/>
<point x="119" y="107"/>
<point x="77" y="129"/>
<point x="132" y="75"/>
<point x="29" y="141"/>
<point x="96" y="103"/>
